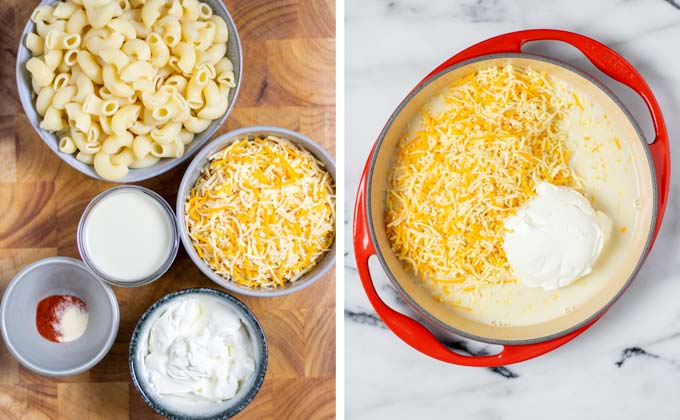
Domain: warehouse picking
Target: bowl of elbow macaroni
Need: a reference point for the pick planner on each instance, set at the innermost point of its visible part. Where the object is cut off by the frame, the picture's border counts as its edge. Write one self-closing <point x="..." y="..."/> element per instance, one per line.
<point x="125" y="90"/>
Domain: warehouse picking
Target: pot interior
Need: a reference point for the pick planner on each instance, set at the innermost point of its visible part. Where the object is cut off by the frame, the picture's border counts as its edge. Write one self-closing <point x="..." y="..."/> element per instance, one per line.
<point x="620" y="180"/>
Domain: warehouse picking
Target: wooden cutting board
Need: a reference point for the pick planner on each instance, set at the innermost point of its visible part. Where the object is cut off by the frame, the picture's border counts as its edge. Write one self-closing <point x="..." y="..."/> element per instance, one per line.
<point x="288" y="81"/>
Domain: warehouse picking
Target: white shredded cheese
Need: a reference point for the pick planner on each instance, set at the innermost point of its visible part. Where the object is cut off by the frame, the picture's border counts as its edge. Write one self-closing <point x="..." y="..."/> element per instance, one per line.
<point x="263" y="212"/>
<point x="470" y="162"/>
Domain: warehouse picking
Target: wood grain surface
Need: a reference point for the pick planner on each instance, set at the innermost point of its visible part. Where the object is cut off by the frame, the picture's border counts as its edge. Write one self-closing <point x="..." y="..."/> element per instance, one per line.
<point x="289" y="81"/>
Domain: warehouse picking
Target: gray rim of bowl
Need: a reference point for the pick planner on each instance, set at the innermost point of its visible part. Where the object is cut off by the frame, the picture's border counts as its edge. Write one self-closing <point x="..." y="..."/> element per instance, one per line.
<point x="82" y="249"/>
<point x="133" y="176"/>
<point x="245" y="311"/>
<point x="92" y="362"/>
<point x="216" y="145"/>
<point x="434" y="321"/>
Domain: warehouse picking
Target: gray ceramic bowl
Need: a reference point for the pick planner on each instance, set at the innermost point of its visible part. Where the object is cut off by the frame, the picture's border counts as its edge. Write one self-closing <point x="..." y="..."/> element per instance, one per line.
<point x="194" y="171"/>
<point x="26" y="96"/>
<point x="53" y="276"/>
<point x="82" y="248"/>
<point x="246" y="392"/>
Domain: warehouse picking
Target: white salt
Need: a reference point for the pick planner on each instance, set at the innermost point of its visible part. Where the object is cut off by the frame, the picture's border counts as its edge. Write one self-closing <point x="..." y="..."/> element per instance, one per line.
<point x="73" y="323"/>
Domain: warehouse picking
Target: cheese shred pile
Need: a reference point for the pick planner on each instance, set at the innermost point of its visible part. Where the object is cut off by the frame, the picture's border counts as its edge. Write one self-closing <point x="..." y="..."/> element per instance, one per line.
<point x="474" y="157"/>
<point x="262" y="212"/>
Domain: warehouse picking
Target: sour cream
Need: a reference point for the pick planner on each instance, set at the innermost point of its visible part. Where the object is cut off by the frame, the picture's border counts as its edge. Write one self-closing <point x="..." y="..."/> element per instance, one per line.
<point x="128" y="235"/>
<point x="197" y="350"/>
<point x="555" y="238"/>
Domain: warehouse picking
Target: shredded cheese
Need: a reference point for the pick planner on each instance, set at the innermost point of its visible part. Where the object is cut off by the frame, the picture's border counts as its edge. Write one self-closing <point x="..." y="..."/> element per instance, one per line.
<point x="262" y="212"/>
<point x="465" y="167"/>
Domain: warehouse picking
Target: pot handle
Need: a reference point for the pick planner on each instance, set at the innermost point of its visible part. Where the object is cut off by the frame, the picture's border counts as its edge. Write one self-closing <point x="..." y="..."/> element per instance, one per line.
<point x="410" y="330"/>
<point x="610" y="63"/>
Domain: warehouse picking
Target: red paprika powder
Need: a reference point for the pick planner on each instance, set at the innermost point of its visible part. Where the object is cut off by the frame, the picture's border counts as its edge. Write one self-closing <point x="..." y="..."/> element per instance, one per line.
<point x="49" y="312"/>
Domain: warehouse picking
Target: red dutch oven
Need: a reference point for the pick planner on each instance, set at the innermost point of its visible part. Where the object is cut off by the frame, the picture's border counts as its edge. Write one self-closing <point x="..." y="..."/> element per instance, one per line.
<point x="651" y="163"/>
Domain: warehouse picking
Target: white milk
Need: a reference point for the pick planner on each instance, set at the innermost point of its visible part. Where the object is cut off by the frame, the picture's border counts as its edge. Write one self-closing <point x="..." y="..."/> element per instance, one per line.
<point x="128" y="235"/>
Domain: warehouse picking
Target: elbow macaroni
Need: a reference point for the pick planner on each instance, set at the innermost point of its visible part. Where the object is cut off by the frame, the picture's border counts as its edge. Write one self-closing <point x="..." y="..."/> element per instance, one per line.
<point x="44" y="100"/>
<point x="137" y="49"/>
<point x="126" y="83"/>
<point x="42" y="74"/>
<point x="100" y="15"/>
<point x="186" y="56"/>
<point x="35" y="44"/>
<point x="160" y="53"/>
<point x="77" y="118"/>
<point x="107" y="169"/>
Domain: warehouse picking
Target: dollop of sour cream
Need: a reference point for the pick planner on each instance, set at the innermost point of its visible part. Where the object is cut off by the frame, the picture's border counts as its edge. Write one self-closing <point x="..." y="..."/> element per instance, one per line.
<point x="198" y="349"/>
<point x="555" y="238"/>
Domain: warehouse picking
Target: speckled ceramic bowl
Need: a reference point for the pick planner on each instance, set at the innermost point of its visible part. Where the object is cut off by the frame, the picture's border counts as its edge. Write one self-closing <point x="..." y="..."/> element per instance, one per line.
<point x="246" y="392"/>
<point x="234" y="53"/>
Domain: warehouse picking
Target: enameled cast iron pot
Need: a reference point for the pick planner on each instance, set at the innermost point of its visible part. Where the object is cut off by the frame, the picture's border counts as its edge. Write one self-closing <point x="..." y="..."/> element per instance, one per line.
<point x="651" y="162"/>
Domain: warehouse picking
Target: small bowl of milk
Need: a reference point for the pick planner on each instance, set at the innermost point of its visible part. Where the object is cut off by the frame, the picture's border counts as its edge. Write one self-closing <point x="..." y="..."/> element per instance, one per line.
<point x="128" y="236"/>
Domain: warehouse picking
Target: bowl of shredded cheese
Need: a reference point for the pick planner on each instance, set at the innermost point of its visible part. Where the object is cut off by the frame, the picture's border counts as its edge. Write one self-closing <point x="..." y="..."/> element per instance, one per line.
<point x="256" y="211"/>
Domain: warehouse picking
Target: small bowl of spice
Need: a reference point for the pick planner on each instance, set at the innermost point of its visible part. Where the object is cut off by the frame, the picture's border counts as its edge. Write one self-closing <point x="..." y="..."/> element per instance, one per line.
<point x="57" y="318"/>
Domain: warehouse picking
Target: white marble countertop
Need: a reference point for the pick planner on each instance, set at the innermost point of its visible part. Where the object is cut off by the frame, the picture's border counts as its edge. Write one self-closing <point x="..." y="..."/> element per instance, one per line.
<point x="625" y="367"/>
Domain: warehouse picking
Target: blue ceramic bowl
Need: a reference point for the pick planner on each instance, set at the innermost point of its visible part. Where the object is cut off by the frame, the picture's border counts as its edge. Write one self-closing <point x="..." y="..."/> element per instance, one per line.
<point x="246" y="392"/>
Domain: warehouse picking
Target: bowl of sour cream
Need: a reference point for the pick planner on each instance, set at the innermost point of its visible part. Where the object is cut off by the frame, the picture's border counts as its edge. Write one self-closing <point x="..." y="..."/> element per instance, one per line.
<point x="198" y="353"/>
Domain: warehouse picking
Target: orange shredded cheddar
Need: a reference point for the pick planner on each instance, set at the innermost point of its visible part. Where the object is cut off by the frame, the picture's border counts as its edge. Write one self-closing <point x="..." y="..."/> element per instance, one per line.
<point x="577" y="101"/>
<point x="462" y="168"/>
<point x="262" y="212"/>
